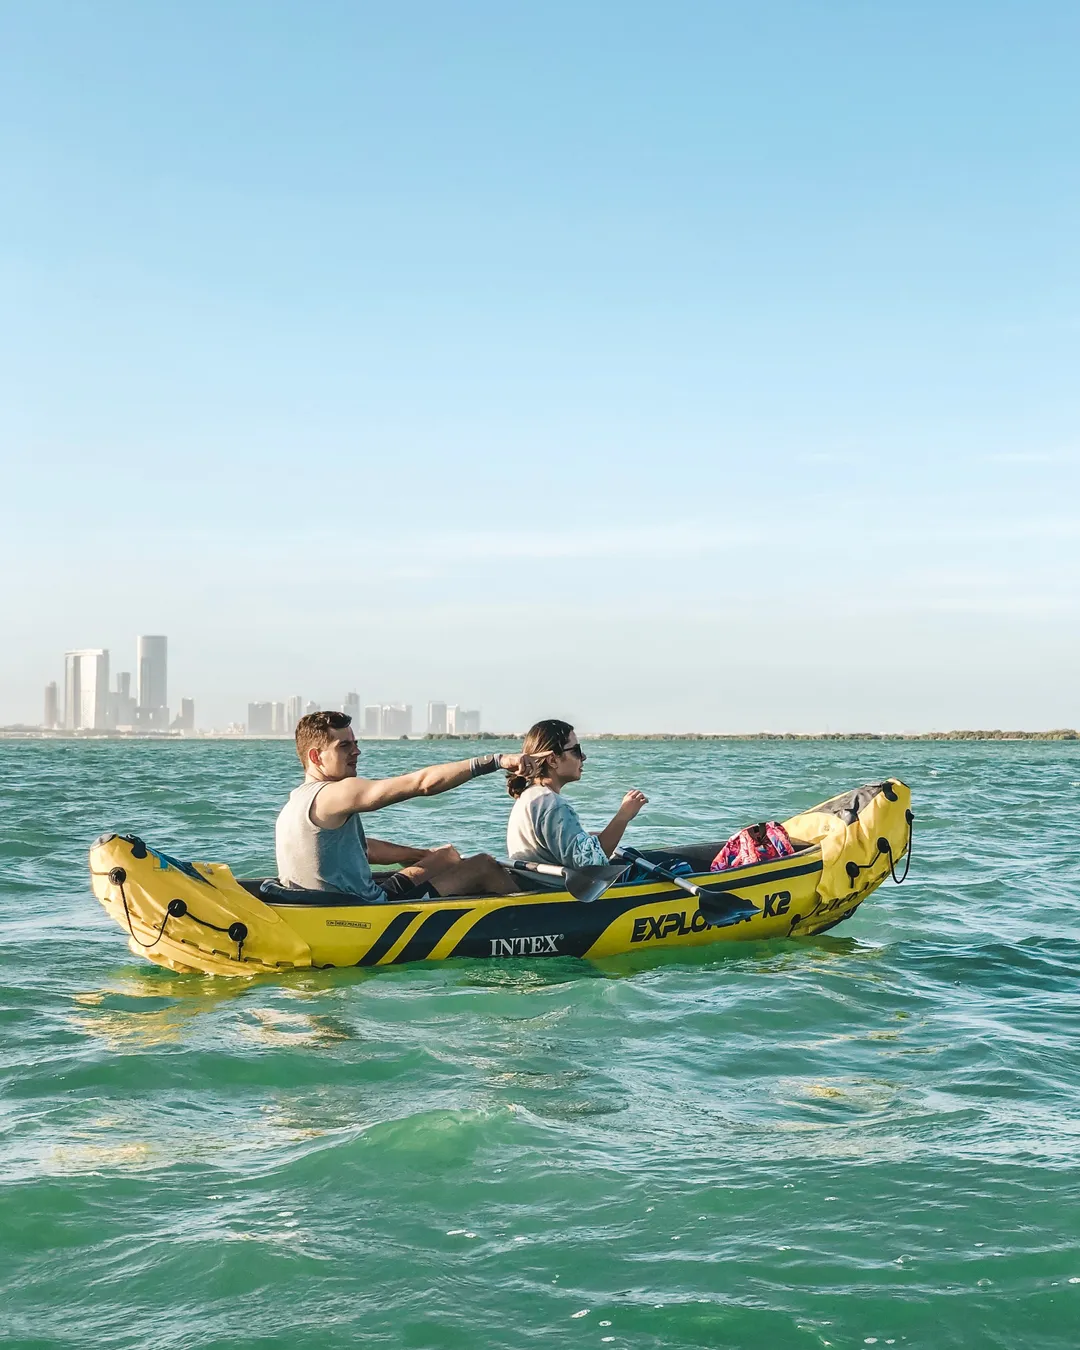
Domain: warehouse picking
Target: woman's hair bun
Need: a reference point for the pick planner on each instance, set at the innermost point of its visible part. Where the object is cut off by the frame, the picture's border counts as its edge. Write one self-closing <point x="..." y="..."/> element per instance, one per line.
<point x="516" y="783"/>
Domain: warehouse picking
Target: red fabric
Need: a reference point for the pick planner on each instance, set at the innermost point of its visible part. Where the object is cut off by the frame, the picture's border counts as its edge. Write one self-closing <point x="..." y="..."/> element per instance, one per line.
<point x="757" y="843"/>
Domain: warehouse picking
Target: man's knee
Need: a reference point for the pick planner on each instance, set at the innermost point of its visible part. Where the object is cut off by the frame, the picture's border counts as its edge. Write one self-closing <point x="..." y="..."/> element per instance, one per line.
<point x="487" y="874"/>
<point x="442" y="856"/>
<point x="486" y="863"/>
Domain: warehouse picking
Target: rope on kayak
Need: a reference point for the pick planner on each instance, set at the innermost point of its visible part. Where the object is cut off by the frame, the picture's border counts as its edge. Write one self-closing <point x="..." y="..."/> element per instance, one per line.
<point x="177" y="909"/>
<point x="118" y="880"/>
<point x="884" y="847"/>
<point x="909" y="816"/>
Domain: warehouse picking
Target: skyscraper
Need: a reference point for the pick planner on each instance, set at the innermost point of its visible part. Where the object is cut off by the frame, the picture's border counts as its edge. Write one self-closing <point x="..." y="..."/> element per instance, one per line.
<point x="351" y="706"/>
<point x="152" y="657"/>
<point x="122" y="709"/>
<point x="185" y="718"/>
<point x="373" y="720"/>
<point x="260" y="719"/>
<point x="396" y="719"/>
<point x="277" y="719"/>
<point x="86" y="689"/>
<point x="468" y="721"/>
<point x="294" y="710"/>
<point x="436" y="719"/>
<point x="72" y="689"/>
<point x="52" y="706"/>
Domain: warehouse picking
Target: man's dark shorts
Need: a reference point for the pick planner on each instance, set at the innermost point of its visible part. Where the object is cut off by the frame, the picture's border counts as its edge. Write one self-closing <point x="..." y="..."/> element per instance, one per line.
<point x="401" y="889"/>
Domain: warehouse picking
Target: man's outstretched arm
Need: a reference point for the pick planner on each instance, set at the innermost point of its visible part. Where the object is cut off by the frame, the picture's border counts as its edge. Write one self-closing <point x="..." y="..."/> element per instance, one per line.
<point x="339" y="800"/>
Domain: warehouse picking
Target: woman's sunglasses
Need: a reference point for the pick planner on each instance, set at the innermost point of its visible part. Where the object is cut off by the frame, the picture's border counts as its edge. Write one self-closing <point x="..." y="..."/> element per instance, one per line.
<point x="576" y="750"/>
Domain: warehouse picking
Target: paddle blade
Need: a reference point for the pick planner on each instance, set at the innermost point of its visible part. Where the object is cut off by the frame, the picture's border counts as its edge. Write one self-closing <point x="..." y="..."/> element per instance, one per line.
<point x="722" y="909"/>
<point x="589" y="883"/>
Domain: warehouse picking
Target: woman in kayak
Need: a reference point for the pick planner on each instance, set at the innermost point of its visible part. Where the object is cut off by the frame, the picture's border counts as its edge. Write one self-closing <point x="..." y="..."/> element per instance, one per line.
<point x="543" y="826"/>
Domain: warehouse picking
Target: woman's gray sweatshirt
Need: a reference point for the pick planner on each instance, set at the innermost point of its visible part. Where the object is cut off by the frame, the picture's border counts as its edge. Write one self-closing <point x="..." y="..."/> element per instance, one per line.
<point x="544" y="827"/>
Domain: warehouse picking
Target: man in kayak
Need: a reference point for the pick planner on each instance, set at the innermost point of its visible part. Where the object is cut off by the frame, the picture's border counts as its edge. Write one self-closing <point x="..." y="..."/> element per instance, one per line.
<point x="321" y="844"/>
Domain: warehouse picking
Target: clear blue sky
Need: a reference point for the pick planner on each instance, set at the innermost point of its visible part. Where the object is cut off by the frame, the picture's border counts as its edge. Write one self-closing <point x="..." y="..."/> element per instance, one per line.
<point x="663" y="366"/>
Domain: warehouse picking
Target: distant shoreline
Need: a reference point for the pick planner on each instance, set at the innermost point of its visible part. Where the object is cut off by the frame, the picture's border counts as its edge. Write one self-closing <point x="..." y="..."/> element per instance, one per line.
<point x="17" y="733"/>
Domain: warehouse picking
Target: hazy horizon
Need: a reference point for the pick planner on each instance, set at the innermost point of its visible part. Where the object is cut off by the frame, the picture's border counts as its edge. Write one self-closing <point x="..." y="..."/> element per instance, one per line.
<point x="681" y="369"/>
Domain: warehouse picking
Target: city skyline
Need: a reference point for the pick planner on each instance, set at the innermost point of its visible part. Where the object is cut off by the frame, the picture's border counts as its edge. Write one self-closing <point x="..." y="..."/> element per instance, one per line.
<point x="373" y="721"/>
<point x="279" y="717"/>
<point x="90" y="705"/>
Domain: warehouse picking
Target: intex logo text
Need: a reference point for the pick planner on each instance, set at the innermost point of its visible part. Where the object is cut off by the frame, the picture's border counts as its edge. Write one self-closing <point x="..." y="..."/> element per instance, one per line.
<point x="545" y="944"/>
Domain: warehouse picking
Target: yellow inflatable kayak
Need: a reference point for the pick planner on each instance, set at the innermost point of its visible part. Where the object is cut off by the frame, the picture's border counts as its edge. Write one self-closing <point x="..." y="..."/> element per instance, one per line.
<point x="196" y="916"/>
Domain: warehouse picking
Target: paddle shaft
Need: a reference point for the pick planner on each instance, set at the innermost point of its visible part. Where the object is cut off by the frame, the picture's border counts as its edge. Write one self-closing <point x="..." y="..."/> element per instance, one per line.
<point x="583" y="883"/>
<point x="632" y="855"/>
<point x="547" y="869"/>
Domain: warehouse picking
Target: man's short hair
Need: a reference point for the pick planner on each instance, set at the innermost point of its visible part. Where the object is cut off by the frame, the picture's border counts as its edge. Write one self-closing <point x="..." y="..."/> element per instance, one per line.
<point x="313" y="731"/>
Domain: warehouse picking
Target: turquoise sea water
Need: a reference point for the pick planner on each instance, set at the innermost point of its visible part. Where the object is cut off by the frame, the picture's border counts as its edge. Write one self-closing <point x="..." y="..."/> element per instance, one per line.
<point x="869" y="1138"/>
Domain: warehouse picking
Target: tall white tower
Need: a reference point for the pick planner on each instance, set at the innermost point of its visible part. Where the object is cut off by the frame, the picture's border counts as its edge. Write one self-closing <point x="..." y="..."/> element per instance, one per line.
<point x="152" y="665"/>
<point x="86" y="689"/>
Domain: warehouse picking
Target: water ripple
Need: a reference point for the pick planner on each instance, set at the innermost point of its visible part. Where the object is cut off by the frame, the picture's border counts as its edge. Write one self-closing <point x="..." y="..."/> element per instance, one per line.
<point x="865" y="1139"/>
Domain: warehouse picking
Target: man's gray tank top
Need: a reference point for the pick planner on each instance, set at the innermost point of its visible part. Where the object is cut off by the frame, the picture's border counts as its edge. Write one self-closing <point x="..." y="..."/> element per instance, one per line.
<point x="322" y="860"/>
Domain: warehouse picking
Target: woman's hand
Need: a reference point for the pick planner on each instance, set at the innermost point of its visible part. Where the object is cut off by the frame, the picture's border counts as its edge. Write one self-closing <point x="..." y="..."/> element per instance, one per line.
<point x="611" y="835"/>
<point x="632" y="804"/>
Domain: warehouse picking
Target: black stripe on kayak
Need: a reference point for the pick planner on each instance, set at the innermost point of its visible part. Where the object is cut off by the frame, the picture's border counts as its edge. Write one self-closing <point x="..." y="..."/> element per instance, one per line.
<point x="565" y="928"/>
<point x="434" y="927"/>
<point x="571" y="926"/>
<point x="765" y="879"/>
<point x="388" y="937"/>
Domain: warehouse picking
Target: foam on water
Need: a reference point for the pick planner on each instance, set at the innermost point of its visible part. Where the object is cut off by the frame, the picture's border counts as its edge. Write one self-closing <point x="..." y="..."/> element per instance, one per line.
<point x="870" y="1138"/>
